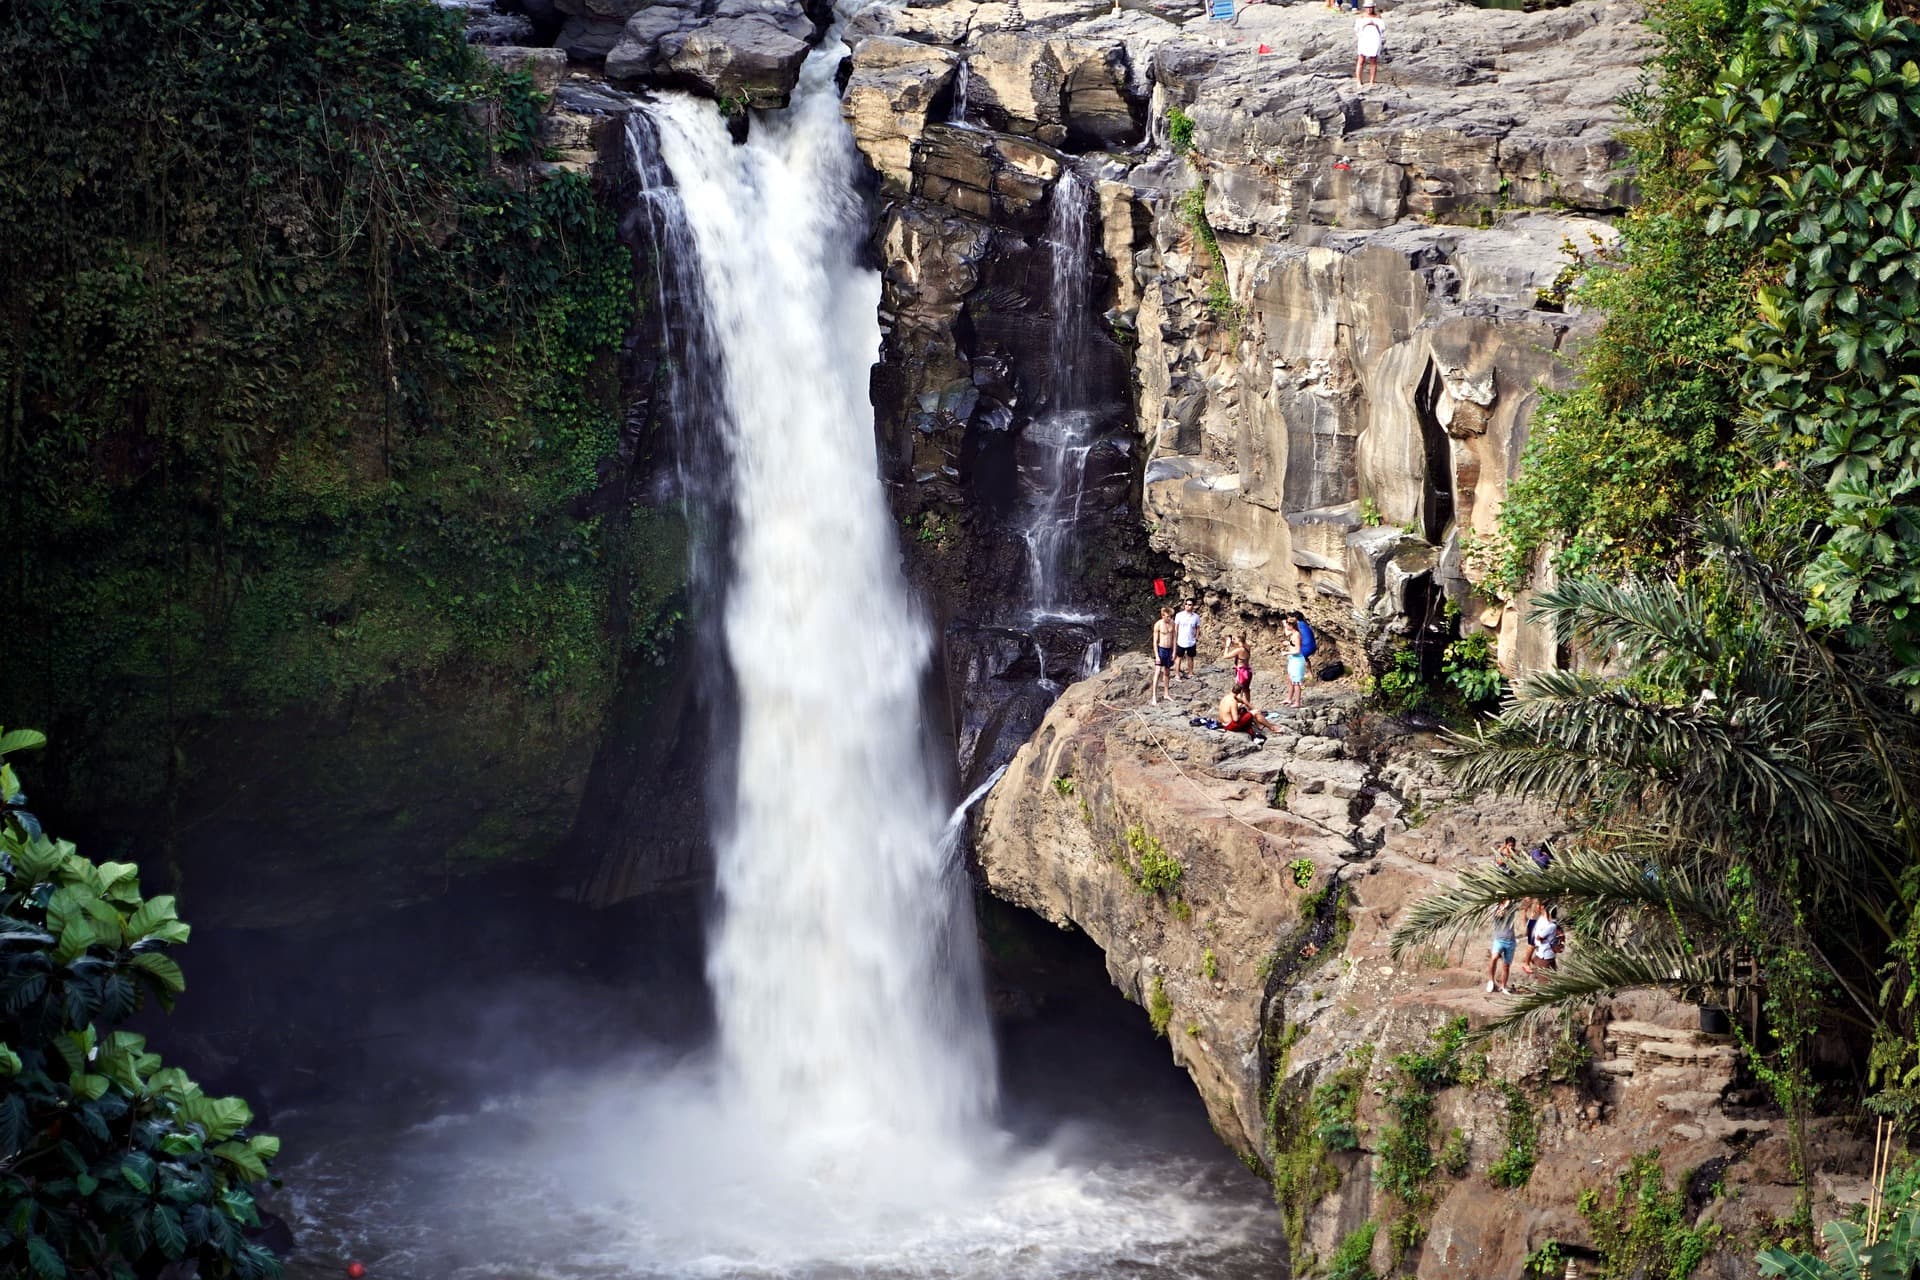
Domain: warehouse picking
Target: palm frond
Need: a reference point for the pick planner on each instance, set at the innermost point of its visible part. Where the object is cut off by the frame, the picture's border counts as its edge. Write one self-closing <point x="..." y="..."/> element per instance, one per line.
<point x="1614" y="883"/>
<point x="1593" y="969"/>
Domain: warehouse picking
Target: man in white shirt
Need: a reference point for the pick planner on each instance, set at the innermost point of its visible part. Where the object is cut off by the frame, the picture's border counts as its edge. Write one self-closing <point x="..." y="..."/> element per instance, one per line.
<point x="1186" y="638"/>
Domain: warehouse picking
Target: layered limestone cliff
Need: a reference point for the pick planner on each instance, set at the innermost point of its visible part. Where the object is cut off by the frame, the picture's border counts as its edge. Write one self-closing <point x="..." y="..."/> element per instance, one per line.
<point x="1266" y="965"/>
<point x="1340" y="306"/>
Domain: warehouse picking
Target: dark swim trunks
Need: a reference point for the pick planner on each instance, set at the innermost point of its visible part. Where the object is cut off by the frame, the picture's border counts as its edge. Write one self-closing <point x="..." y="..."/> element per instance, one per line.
<point x="1188" y="650"/>
<point x="1166" y="655"/>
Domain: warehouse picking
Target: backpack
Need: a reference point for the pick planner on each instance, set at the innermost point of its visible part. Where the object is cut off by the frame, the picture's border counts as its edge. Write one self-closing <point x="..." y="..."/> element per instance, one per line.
<point x="1307" y="643"/>
<point x="1541" y="857"/>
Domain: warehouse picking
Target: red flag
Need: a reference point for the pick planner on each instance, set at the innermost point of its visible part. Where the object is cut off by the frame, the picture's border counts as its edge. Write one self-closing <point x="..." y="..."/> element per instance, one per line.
<point x="1264" y="49"/>
<point x="1159" y="586"/>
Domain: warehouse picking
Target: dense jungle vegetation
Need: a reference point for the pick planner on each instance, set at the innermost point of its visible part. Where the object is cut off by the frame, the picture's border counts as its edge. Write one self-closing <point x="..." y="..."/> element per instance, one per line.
<point x="1730" y="501"/>
<point x="309" y="380"/>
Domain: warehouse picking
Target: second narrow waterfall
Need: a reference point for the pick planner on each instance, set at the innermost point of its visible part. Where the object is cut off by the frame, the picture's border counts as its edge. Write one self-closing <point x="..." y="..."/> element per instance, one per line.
<point x="1063" y="436"/>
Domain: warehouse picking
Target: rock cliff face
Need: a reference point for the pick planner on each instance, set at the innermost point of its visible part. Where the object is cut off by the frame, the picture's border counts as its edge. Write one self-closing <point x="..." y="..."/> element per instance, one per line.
<point x="1339" y="306"/>
<point x="1266" y="965"/>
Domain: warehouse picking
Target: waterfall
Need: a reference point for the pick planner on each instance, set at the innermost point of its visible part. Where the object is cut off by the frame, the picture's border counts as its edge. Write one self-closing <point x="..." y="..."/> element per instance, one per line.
<point x="842" y="963"/>
<point x="1063" y="434"/>
<point x="962" y="81"/>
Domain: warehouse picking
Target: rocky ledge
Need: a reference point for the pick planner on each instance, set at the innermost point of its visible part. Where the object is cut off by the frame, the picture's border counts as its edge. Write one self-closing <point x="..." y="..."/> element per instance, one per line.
<point x="1265" y="963"/>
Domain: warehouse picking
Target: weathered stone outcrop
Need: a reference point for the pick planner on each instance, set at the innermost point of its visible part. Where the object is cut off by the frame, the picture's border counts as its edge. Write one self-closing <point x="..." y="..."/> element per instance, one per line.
<point x="1268" y="985"/>
<point x="1342" y="304"/>
<point x="741" y="51"/>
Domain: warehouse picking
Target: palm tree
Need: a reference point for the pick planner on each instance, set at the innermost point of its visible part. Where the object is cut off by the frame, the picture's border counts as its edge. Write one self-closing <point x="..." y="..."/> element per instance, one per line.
<point x="1744" y="789"/>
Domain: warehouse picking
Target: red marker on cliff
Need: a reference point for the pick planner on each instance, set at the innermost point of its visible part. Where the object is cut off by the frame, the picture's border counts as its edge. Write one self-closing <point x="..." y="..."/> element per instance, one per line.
<point x="356" y="1271"/>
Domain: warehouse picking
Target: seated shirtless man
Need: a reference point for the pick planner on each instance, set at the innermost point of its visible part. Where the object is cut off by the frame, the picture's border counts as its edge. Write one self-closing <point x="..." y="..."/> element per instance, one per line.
<point x="1237" y="714"/>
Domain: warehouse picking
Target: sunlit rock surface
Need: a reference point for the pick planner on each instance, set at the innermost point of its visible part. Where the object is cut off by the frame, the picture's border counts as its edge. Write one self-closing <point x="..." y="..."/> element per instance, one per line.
<point x="1261" y="1000"/>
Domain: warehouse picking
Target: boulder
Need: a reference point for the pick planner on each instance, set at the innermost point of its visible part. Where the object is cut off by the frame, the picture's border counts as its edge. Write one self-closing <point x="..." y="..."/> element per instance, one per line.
<point x="742" y="51"/>
<point x="1065" y="91"/>
<point x="891" y="93"/>
<point x="544" y="66"/>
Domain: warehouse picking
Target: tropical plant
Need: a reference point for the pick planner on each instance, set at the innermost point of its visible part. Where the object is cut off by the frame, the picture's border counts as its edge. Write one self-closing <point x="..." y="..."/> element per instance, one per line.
<point x="112" y="1165"/>
<point x="1746" y="793"/>
<point x="1893" y="1255"/>
<point x="1809" y="144"/>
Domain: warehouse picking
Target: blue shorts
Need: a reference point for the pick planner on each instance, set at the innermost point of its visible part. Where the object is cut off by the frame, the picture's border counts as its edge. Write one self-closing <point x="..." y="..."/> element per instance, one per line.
<point x="1296" y="668"/>
<point x="1166" y="655"/>
<point x="1503" y="949"/>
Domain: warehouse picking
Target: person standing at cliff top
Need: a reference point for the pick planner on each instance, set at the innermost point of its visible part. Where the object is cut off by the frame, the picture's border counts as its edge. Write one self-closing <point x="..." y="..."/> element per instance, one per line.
<point x="1370" y="37"/>
<point x="1162" y="656"/>
<point x="1186" y="634"/>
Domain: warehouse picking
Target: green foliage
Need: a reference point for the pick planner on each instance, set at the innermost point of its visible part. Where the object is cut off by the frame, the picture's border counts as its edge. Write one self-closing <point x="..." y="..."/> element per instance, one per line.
<point x="1400" y="687"/>
<point x="1641" y="1228"/>
<point x="1403" y="1156"/>
<point x="1455" y="1154"/>
<point x="1808" y="146"/>
<point x="111" y="1164"/>
<point x="1063" y="787"/>
<point x="1545" y="1263"/>
<point x="1739" y="741"/>
<point x="1153" y="869"/>
<point x="1895" y="1255"/>
<point x="309" y="387"/>
<point x="1469" y="668"/>
<point x="1209" y="965"/>
<point x="1352" y="1259"/>
<point x="1514" y="1168"/>
<point x="1302" y="870"/>
<point x="1615" y="466"/>
<point x="1159" y="1007"/>
<point x="1179" y="131"/>
<point x="1193" y="206"/>
<point x="1336" y="1104"/>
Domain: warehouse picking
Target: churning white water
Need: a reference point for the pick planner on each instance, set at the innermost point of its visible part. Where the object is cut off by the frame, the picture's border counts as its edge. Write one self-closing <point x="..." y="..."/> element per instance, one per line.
<point x="842" y="967"/>
<point x="845" y="1122"/>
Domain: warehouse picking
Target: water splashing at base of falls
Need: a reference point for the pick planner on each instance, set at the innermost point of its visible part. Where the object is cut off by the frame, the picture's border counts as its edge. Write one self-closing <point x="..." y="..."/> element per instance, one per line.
<point x="844" y="1122"/>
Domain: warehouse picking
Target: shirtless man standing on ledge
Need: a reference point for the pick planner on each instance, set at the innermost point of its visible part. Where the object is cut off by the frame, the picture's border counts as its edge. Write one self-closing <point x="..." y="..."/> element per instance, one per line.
<point x="1162" y="656"/>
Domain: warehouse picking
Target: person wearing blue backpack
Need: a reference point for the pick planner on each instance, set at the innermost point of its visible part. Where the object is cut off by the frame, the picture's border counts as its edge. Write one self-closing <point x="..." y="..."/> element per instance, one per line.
<point x="1307" y="642"/>
<point x="1296" y="659"/>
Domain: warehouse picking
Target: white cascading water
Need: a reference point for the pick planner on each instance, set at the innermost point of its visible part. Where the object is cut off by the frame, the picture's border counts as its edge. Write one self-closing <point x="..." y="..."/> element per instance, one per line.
<point x="1062" y="436"/>
<point x="842" y="965"/>
<point x="845" y="1124"/>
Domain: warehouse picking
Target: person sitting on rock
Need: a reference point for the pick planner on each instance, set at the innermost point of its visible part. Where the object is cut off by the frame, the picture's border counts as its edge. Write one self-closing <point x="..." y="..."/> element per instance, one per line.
<point x="1238" y="716"/>
<point x="1505" y="852"/>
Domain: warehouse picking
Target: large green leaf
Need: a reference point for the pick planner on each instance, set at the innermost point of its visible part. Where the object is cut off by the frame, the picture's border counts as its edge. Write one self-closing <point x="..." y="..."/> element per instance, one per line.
<point x="220" y="1117"/>
<point x="21" y="740"/>
<point x="156" y="919"/>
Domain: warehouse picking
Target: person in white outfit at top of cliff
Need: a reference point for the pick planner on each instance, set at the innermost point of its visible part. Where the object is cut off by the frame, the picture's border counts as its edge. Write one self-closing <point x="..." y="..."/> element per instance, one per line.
<point x="1370" y="37"/>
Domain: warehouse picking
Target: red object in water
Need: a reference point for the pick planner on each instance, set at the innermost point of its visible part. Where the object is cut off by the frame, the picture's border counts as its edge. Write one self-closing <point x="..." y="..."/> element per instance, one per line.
<point x="1159" y="586"/>
<point x="1341" y="164"/>
<point x="356" y="1271"/>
